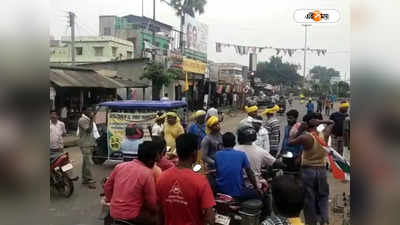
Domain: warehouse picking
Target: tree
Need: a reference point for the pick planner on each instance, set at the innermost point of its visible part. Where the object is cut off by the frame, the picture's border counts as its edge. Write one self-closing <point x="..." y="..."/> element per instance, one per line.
<point x="159" y="77"/>
<point x="190" y="7"/>
<point x="323" y="74"/>
<point x="277" y="72"/>
<point x="343" y="89"/>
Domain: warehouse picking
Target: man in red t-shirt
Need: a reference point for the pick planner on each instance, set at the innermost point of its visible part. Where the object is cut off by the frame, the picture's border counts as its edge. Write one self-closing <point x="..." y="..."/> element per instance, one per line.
<point x="131" y="188"/>
<point x="185" y="196"/>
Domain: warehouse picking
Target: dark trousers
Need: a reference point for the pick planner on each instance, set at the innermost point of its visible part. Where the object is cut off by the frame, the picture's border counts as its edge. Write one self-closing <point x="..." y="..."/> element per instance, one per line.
<point x="316" y="207"/>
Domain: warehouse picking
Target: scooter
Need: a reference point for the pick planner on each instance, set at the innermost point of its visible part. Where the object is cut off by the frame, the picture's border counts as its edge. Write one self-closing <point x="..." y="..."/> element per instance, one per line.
<point x="60" y="165"/>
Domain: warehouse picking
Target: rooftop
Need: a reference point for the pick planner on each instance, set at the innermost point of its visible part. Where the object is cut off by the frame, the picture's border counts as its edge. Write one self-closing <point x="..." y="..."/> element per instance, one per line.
<point x="96" y="39"/>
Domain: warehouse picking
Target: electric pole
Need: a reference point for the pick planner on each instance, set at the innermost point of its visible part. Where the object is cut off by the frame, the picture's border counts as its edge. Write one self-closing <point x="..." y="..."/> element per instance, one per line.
<point x="153" y="53"/>
<point x="305" y="49"/>
<point x="72" y="25"/>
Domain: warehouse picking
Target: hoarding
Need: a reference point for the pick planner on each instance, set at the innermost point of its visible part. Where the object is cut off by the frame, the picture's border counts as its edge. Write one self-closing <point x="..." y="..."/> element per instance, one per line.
<point x="195" y="35"/>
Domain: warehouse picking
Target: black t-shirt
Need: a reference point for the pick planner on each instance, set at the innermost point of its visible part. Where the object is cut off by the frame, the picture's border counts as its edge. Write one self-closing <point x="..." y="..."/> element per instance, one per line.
<point x="338" y="118"/>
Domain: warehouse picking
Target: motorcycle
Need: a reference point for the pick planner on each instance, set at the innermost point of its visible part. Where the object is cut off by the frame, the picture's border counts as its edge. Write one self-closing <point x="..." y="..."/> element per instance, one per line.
<point x="232" y="212"/>
<point x="60" y="165"/>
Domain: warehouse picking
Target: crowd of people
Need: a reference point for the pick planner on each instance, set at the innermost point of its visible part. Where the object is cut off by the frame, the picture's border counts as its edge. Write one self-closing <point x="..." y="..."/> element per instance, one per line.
<point x="162" y="182"/>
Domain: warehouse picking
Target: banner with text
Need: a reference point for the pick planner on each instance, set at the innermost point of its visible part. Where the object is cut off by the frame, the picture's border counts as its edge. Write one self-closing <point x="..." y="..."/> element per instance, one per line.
<point x="194" y="66"/>
<point x="117" y="123"/>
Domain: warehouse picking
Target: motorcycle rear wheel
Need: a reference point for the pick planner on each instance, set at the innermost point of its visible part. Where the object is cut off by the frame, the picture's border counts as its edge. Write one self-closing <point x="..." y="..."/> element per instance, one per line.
<point x="97" y="159"/>
<point x="67" y="187"/>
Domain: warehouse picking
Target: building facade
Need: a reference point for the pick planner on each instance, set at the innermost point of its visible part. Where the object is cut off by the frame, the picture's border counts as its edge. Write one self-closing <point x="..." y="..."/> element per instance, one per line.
<point x="138" y="30"/>
<point x="90" y="49"/>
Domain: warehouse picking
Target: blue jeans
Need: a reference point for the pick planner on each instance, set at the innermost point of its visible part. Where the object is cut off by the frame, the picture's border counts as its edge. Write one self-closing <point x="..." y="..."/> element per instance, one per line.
<point x="316" y="207"/>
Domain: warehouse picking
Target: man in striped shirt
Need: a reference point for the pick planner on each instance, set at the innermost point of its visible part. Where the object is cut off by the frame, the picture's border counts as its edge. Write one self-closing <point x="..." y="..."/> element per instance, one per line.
<point x="274" y="129"/>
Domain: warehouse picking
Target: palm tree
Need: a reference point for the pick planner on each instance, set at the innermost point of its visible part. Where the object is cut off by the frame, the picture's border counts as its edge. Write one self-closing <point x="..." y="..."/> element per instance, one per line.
<point x="190" y="7"/>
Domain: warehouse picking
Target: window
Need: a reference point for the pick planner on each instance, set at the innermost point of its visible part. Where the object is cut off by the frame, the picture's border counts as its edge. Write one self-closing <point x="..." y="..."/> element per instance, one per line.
<point x="157" y="44"/>
<point x="114" y="51"/>
<point x="166" y="46"/>
<point x="107" y="31"/>
<point x="79" y="51"/>
<point x="129" y="54"/>
<point x="98" y="51"/>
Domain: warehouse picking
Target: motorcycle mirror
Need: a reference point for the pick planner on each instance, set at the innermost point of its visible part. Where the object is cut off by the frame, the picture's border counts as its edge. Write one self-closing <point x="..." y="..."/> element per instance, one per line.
<point x="320" y="128"/>
<point x="288" y="155"/>
<point x="196" y="168"/>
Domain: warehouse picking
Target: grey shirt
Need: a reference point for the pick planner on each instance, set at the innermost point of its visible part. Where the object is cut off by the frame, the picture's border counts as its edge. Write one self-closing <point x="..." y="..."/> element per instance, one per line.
<point x="209" y="146"/>
<point x="86" y="138"/>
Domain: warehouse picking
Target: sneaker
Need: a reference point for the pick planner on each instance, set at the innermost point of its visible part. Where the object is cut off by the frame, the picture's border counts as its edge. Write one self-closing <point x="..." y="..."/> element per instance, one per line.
<point x="92" y="186"/>
<point x="75" y="178"/>
<point x="90" y="181"/>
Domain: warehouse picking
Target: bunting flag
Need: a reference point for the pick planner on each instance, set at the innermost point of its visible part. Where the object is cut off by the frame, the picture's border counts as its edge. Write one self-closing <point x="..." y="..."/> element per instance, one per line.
<point x="186" y="88"/>
<point x="218" y="47"/>
<point x="244" y="50"/>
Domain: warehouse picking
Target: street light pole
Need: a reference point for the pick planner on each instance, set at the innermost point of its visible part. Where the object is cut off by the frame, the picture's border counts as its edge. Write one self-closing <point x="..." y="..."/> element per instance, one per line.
<point x="305" y="48"/>
<point x="153" y="53"/>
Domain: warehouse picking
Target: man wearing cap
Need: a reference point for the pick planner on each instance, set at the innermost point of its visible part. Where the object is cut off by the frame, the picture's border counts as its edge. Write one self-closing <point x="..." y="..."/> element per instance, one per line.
<point x="198" y="128"/>
<point x="252" y="112"/>
<point x="339" y="118"/>
<point x="210" y="144"/>
<point x="262" y="133"/>
<point x="274" y="129"/>
<point x="172" y="130"/>
<point x="310" y="106"/>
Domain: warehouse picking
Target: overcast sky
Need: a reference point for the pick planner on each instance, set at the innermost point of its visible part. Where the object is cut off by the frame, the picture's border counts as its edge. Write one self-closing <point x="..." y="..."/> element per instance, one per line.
<point x="250" y="22"/>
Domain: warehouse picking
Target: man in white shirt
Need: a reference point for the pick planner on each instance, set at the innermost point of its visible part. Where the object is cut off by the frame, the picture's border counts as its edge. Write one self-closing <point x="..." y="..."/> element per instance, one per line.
<point x="57" y="131"/>
<point x="158" y="126"/>
<point x="262" y="133"/>
<point x="258" y="157"/>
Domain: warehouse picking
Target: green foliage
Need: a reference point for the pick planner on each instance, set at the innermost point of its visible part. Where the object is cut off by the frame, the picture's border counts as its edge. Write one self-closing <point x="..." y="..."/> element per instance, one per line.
<point x="159" y="77"/>
<point x="343" y="89"/>
<point x="190" y="7"/>
<point x="275" y="72"/>
<point x="323" y="74"/>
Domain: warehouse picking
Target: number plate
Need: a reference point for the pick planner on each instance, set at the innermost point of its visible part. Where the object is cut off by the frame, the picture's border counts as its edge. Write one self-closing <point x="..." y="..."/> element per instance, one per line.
<point x="221" y="219"/>
<point x="67" y="167"/>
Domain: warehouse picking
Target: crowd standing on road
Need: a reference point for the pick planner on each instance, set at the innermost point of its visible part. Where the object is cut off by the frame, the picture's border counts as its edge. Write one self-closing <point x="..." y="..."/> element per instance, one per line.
<point x="153" y="189"/>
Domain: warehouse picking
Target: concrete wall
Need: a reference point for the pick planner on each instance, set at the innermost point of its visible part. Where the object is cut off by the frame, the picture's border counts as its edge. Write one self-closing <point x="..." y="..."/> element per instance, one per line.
<point x="63" y="54"/>
<point x="130" y="69"/>
<point x="107" y="21"/>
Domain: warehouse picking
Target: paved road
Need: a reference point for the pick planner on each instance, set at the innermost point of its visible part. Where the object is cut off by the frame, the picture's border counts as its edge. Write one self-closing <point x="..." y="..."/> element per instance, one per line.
<point x="83" y="207"/>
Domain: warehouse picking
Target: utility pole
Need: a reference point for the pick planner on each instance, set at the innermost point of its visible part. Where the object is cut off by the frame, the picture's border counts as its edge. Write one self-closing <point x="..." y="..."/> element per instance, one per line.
<point x="305" y="49"/>
<point x="72" y="25"/>
<point x="142" y="8"/>
<point x="153" y="53"/>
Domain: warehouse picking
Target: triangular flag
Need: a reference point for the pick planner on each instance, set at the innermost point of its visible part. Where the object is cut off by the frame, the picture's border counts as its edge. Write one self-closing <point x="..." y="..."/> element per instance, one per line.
<point x="218" y="47"/>
<point x="186" y="88"/>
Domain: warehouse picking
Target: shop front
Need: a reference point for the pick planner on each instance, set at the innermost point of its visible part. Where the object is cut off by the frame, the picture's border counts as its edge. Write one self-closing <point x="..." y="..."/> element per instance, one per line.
<point x="194" y="70"/>
<point x="74" y="88"/>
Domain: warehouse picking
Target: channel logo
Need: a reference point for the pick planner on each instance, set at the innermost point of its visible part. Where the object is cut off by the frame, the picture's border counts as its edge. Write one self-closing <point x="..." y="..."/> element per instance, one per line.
<point x="316" y="16"/>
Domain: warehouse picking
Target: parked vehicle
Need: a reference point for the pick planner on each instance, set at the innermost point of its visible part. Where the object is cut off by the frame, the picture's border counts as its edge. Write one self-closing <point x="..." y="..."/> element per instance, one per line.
<point x="118" y="114"/>
<point x="60" y="165"/>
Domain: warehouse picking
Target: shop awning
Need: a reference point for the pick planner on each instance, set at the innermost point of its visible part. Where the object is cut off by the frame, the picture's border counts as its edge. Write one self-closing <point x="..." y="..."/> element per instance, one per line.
<point x="80" y="77"/>
<point x="122" y="80"/>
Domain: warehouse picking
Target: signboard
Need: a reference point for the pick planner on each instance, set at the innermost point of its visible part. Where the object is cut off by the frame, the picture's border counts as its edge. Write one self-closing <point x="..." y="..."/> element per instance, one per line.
<point x="194" y="66"/>
<point x="196" y="35"/>
<point x="117" y="123"/>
